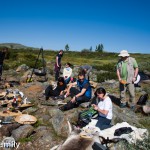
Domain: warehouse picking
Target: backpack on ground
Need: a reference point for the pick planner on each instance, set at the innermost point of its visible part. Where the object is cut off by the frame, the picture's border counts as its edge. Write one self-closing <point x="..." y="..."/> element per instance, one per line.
<point x="85" y="117"/>
<point x="143" y="99"/>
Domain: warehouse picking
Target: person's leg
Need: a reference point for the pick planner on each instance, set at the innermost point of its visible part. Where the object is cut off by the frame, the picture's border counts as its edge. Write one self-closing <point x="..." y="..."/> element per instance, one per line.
<point x="48" y="91"/>
<point x="74" y="91"/>
<point x="131" y="90"/>
<point x="122" y="94"/>
<point x="103" y="123"/>
<point x="82" y="99"/>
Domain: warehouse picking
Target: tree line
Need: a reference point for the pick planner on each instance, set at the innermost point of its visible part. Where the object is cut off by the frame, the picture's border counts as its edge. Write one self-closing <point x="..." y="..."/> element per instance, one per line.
<point x="99" y="48"/>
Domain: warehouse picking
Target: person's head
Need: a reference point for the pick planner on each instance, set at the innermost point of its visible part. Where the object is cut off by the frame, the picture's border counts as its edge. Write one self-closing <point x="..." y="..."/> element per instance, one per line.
<point x="68" y="65"/>
<point x="5" y="49"/>
<point x="61" y="81"/>
<point x="81" y="76"/>
<point x="124" y="54"/>
<point x="61" y="52"/>
<point x="100" y="92"/>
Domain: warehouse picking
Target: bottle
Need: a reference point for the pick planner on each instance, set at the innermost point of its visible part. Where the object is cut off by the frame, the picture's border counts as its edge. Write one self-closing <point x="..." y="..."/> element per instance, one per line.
<point x="14" y="103"/>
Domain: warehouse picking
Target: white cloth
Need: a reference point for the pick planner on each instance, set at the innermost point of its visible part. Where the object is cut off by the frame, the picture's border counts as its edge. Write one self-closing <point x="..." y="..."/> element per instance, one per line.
<point x="136" y="134"/>
<point x="67" y="72"/>
<point x="106" y="104"/>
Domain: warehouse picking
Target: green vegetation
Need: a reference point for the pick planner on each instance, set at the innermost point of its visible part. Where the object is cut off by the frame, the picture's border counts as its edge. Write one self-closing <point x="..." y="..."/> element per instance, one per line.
<point x="100" y="60"/>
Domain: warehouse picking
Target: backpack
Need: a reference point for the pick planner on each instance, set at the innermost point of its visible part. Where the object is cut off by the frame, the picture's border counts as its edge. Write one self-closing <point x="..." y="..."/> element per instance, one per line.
<point x="85" y="117"/>
<point x="143" y="99"/>
<point x="122" y="130"/>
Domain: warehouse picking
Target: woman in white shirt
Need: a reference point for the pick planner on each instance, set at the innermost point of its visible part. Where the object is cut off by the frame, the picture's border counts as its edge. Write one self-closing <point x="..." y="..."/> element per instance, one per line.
<point x="67" y="72"/>
<point x="104" y="109"/>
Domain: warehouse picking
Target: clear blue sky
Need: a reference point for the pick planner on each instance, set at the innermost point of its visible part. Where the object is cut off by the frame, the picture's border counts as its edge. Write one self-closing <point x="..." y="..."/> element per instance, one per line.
<point x="117" y="24"/>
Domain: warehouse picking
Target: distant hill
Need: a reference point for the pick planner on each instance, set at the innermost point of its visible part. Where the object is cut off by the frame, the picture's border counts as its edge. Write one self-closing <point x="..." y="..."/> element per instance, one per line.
<point x="16" y="46"/>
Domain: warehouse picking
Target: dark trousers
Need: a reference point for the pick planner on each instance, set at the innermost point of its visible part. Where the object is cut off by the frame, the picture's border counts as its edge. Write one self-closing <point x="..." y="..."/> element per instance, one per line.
<point x="103" y="123"/>
<point x="57" y="71"/>
<point x="81" y="99"/>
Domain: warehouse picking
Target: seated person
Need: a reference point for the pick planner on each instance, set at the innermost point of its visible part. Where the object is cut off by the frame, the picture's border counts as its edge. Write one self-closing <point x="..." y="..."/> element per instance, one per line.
<point x="104" y="109"/>
<point x="78" y="96"/>
<point x="67" y="72"/>
<point x="61" y="86"/>
<point x="87" y="69"/>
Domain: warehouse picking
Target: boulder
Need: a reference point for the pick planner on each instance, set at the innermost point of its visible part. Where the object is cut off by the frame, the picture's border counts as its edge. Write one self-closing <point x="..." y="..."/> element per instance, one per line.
<point x="59" y="123"/>
<point x="22" y="67"/>
<point x="42" y="138"/>
<point x="22" y="132"/>
<point x="6" y="129"/>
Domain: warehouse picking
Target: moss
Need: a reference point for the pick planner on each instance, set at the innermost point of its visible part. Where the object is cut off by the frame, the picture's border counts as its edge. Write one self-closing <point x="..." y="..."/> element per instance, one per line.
<point x="23" y="140"/>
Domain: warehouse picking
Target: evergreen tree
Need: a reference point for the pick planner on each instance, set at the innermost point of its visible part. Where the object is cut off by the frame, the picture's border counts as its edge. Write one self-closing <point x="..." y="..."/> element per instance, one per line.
<point x="67" y="47"/>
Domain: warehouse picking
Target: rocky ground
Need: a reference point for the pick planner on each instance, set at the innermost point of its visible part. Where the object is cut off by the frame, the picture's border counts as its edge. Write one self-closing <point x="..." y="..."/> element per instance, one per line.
<point x="51" y="127"/>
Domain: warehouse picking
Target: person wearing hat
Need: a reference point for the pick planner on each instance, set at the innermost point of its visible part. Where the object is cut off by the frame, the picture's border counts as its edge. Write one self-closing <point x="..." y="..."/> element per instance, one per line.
<point x="127" y="71"/>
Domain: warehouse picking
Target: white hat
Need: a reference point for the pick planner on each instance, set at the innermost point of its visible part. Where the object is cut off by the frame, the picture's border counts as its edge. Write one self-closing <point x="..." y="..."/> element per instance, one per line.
<point x="124" y="53"/>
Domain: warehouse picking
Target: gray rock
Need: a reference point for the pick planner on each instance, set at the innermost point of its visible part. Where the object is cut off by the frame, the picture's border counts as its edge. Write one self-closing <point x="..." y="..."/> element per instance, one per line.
<point x="85" y="105"/>
<point x="59" y="123"/>
<point x="42" y="138"/>
<point x="29" y="110"/>
<point x="22" y="67"/>
<point x="6" y="130"/>
<point x="22" y="132"/>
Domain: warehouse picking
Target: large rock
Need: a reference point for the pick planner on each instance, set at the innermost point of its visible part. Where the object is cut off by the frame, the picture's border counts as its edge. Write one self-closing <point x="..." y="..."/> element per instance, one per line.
<point x="22" y="67"/>
<point x="42" y="138"/>
<point x="22" y="132"/>
<point x="6" y="130"/>
<point x="59" y="123"/>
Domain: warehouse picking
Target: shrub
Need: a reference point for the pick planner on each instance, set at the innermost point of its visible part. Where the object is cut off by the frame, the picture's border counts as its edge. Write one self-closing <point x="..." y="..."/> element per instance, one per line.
<point x="101" y="77"/>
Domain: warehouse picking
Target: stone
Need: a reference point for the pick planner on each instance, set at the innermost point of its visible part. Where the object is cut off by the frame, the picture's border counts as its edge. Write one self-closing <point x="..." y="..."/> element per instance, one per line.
<point x="22" y="132"/>
<point x="22" y="67"/>
<point x="85" y="105"/>
<point x="59" y="123"/>
<point x="30" y="110"/>
<point x="6" y="129"/>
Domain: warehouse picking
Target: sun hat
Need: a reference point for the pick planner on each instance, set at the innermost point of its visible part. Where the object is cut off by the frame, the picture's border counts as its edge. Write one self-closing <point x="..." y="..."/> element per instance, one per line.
<point x="124" y="53"/>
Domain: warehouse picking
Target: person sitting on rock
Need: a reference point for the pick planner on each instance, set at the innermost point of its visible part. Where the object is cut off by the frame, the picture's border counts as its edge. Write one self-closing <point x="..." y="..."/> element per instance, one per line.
<point x="87" y="69"/>
<point x="67" y="73"/>
<point x="104" y="109"/>
<point x="60" y="88"/>
<point x="78" y="96"/>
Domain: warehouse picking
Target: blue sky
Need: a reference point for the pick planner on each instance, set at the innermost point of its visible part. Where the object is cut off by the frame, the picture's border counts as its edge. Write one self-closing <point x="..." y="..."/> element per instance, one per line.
<point x="117" y="24"/>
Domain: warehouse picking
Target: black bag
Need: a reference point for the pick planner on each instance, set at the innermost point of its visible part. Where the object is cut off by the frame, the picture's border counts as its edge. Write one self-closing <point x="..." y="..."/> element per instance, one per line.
<point x="98" y="146"/>
<point x="85" y="117"/>
<point x="123" y="130"/>
<point x="143" y="99"/>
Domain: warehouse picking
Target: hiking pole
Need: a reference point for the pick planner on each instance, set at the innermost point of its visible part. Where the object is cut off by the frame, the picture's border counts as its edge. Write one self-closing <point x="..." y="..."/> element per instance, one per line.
<point x="30" y="79"/>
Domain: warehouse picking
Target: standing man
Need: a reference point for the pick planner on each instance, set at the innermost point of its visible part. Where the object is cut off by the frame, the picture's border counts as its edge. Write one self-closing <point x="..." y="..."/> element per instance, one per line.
<point x="127" y="71"/>
<point x="58" y="64"/>
<point x="87" y="69"/>
<point x="2" y="57"/>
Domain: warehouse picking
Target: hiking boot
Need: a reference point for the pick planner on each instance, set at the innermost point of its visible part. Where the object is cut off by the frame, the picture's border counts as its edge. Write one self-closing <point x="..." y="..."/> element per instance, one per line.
<point x="123" y="105"/>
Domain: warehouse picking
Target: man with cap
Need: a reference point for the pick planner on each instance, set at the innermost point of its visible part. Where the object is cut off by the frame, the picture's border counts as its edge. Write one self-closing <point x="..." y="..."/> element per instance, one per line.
<point x="127" y="71"/>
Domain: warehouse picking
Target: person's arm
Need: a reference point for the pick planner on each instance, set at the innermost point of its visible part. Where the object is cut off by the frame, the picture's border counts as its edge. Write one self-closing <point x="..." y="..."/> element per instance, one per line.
<point x="78" y="95"/>
<point x="57" y="61"/>
<point x="135" y="74"/>
<point x="68" y="90"/>
<point x="118" y="75"/>
<point x="105" y="112"/>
